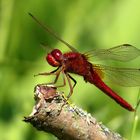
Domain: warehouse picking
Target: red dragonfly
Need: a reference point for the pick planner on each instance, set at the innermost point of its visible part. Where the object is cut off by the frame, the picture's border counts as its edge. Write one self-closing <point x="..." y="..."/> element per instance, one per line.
<point x="78" y="63"/>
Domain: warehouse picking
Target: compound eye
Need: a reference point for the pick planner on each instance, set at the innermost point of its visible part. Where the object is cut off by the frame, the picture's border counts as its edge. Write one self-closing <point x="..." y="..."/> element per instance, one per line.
<point x="52" y="61"/>
<point x="57" y="54"/>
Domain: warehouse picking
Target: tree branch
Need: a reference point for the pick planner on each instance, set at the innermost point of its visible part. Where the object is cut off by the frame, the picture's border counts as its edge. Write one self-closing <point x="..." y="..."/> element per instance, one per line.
<point x="52" y="113"/>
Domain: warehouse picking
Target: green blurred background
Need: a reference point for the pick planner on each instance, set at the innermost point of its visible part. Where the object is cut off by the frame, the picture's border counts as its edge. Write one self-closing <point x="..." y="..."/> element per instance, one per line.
<point x="84" y="24"/>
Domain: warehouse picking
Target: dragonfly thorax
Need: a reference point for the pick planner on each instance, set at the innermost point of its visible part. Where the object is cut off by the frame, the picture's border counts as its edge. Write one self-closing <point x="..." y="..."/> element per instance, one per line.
<point x="54" y="58"/>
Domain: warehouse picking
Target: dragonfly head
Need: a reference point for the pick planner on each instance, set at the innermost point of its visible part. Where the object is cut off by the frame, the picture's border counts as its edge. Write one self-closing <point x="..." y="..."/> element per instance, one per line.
<point x="54" y="58"/>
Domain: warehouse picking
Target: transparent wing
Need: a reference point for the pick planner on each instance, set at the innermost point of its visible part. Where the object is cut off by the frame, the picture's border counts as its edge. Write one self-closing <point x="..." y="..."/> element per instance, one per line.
<point x="129" y="77"/>
<point x="124" y="52"/>
<point x="51" y="32"/>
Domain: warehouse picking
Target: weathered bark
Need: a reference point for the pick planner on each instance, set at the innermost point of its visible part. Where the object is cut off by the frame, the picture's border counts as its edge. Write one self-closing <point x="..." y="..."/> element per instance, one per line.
<point x="52" y="113"/>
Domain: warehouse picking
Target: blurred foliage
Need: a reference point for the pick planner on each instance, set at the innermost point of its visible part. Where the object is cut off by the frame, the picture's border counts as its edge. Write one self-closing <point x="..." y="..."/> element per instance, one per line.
<point x="84" y="24"/>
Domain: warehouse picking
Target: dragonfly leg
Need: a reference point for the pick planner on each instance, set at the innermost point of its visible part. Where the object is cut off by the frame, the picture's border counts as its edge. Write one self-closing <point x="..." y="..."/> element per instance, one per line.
<point x="54" y="72"/>
<point x="75" y="82"/>
<point x="56" y="78"/>
<point x="48" y="73"/>
<point x="64" y="80"/>
<point x="70" y="85"/>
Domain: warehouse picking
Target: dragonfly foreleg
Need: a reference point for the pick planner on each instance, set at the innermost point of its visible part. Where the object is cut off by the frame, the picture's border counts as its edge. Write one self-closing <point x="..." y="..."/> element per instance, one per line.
<point x="54" y="72"/>
<point x="48" y="73"/>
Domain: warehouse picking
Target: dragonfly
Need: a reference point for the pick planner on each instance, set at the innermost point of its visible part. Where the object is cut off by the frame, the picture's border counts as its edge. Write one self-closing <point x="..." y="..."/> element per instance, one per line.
<point x="96" y="74"/>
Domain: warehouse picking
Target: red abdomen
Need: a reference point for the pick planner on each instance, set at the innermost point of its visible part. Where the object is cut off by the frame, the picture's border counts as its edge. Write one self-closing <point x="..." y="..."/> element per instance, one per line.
<point x="97" y="81"/>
